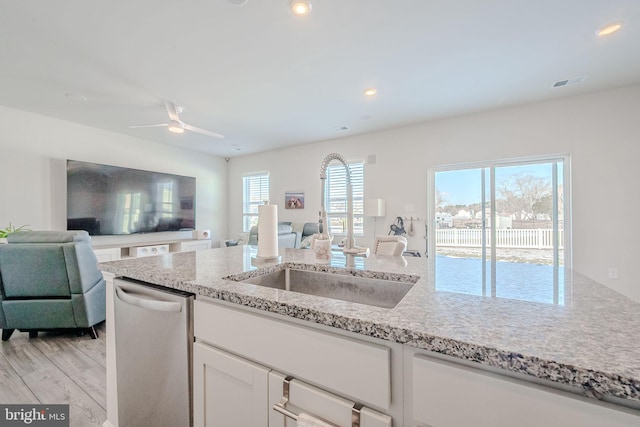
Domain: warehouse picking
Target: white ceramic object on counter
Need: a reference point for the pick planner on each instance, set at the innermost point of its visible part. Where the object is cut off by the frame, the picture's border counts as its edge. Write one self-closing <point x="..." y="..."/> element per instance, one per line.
<point x="322" y="249"/>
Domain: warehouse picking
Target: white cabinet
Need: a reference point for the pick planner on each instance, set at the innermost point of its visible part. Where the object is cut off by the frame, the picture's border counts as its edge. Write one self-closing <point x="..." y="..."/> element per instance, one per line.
<point x="107" y="254"/>
<point x="354" y="368"/>
<point x="150" y="250"/>
<point x="330" y="373"/>
<point x="231" y="391"/>
<point x="228" y="391"/>
<point x="446" y="394"/>
<point x="195" y="245"/>
<point x="143" y="249"/>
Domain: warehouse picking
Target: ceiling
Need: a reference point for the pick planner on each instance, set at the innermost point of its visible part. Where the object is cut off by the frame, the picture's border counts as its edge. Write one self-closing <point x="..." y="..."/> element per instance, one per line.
<point x="266" y="78"/>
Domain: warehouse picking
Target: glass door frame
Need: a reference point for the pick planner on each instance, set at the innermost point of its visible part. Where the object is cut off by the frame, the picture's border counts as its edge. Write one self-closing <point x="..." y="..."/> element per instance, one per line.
<point x="564" y="158"/>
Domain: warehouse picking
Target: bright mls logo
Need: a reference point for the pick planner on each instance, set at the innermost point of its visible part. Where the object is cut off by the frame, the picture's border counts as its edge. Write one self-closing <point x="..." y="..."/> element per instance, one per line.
<point x="34" y="415"/>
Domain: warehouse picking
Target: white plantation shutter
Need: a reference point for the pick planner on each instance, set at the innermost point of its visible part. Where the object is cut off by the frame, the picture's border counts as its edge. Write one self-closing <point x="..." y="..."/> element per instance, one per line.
<point x="255" y="190"/>
<point x="336" y="198"/>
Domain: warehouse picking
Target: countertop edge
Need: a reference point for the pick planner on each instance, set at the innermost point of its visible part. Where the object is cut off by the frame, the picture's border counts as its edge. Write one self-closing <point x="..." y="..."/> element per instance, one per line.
<point x="592" y="384"/>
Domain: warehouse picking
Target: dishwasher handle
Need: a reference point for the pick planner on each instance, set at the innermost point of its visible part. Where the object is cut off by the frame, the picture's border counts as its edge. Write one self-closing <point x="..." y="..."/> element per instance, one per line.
<point x="148" y="303"/>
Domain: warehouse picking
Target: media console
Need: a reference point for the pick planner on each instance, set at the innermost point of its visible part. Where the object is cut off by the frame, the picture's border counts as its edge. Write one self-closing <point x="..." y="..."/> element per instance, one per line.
<point x="113" y="252"/>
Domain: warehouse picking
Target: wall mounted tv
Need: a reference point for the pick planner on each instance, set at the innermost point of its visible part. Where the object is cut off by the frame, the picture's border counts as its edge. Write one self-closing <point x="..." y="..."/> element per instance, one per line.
<point x="112" y="200"/>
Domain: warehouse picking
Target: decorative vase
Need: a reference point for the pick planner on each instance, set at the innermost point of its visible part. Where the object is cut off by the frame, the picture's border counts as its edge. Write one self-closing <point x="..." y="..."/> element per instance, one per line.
<point x="322" y="249"/>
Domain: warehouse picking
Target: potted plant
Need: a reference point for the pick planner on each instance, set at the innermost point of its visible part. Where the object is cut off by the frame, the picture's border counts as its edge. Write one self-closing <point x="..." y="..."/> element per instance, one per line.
<point x="4" y="232"/>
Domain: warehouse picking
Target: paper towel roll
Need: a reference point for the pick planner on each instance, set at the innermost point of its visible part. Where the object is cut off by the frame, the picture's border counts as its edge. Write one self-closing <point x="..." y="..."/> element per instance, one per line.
<point x="267" y="231"/>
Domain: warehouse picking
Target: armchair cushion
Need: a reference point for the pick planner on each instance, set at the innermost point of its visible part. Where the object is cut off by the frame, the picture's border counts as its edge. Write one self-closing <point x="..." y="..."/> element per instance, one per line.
<point x="309" y="229"/>
<point x="34" y="271"/>
<point x="48" y="237"/>
<point x="284" y="228"/>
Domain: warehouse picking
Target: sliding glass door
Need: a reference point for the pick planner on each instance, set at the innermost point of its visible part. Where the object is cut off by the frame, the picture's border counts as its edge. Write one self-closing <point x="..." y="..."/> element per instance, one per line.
<point x="500" y="227"/>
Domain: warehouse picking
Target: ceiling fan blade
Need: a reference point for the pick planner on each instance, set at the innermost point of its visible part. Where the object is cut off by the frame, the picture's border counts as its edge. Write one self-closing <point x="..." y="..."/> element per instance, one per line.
<point x="172" y="111"/>
<point x="202" y="131"/>
<point x="149" y="126"/>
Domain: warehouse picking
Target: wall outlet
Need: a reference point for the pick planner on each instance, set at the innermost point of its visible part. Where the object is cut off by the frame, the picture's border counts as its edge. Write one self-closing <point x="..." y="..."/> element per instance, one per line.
<point x="613" y="273"/>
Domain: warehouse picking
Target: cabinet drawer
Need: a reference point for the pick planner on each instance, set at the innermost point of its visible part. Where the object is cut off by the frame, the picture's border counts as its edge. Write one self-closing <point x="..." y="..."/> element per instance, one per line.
<point x="350" y="367"/>
<point x="318" y="403"/>
<point x="441" y="390"/>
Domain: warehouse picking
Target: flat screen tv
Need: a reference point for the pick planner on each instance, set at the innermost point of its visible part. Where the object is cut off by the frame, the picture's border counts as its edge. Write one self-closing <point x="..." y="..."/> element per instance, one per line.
<point x="113" y="200"/>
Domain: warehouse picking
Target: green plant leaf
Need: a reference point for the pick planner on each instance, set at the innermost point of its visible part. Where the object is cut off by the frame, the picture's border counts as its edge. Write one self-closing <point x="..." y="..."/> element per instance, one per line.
<point x="12" y="229"/>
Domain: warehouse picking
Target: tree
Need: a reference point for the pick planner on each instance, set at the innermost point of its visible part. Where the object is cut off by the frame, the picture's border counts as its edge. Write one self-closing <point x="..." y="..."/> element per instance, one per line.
<point x="440" y="200"/>
<point x="544" y="206"/>
<point x="524" y="196"/>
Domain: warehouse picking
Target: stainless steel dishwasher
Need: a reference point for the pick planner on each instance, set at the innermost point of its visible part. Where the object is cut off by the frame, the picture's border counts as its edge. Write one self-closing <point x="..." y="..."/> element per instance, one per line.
<point x="154" y="341"/>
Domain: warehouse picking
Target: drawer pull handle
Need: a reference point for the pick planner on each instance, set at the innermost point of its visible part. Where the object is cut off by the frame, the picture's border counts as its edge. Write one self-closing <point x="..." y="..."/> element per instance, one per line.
<point x="282" y="406"/>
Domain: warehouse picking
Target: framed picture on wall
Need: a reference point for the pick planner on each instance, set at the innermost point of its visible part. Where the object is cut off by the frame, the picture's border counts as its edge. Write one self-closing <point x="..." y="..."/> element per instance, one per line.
<point x="294" y="200"/>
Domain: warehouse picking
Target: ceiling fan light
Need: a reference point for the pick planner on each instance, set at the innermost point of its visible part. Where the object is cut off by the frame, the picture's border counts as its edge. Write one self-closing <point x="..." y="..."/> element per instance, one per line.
<point x="175" y="128"/>
<point x="300" y="7"/>
<point x="609" y="29"/>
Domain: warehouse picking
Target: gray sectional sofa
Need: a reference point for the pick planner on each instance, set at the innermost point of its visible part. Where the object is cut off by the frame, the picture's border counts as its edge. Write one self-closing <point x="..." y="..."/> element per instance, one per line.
<point x="290" y="234"/>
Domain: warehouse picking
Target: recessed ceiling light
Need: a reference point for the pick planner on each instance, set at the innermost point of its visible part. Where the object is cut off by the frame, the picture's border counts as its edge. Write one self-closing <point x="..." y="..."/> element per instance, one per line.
<point x="370" y="91"/>
<point x="609" y="29"/>
<point x="300" y="7"/>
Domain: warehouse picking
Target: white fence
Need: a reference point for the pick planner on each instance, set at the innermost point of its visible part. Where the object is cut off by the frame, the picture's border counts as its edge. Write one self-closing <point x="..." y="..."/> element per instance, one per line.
<point x="537" y="238"/>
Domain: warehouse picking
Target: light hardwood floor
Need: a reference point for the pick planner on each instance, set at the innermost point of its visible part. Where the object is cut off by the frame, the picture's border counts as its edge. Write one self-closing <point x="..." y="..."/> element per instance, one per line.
<point x="57" y="367"/>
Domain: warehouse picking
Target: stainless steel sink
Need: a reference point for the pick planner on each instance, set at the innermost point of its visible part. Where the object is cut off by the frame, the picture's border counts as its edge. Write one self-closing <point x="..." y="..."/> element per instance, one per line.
<point x="363" y="290"/>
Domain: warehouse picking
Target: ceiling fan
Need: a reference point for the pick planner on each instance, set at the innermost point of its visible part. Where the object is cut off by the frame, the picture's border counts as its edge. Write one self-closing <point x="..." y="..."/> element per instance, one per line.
<point x="176" y="125"/>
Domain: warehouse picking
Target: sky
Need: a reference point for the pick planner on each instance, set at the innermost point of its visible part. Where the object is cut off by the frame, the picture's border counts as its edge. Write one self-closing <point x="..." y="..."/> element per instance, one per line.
<point x="463" y="186"/>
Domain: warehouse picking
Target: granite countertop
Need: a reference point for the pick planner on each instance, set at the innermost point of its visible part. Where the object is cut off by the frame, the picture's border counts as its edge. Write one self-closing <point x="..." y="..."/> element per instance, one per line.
<point x="577" y="333"/>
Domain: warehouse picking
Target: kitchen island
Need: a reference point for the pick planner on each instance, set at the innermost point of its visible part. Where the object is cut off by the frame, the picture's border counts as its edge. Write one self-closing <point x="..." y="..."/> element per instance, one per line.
<point x="586" y="341"/>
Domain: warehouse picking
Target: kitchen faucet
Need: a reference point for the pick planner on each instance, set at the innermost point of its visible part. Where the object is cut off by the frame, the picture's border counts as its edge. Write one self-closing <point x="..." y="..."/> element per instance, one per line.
<point x="350" y="247"/>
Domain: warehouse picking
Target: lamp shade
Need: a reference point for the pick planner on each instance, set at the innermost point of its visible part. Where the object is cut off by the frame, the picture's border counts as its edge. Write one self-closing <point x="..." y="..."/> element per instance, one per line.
<point x="374" y="207"/>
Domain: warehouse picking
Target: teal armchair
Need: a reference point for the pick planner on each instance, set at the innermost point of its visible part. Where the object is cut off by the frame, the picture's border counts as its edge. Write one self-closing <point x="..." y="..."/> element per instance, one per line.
<point x="50" y="280"/>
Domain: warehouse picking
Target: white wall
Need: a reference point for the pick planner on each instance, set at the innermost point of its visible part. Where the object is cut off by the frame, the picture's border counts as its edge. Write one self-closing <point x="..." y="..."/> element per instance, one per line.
<point x="34" y="150"/>
<point x="600" y="131"/>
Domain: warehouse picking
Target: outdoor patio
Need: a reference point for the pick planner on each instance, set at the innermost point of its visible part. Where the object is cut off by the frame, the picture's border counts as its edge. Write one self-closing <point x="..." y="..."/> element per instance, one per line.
<point x="522" y="274"/>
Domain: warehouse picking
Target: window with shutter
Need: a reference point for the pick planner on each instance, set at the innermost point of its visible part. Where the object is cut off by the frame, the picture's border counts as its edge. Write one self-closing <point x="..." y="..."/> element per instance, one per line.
<point x="336" y="198"/>
<point x="255" y="190"/>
